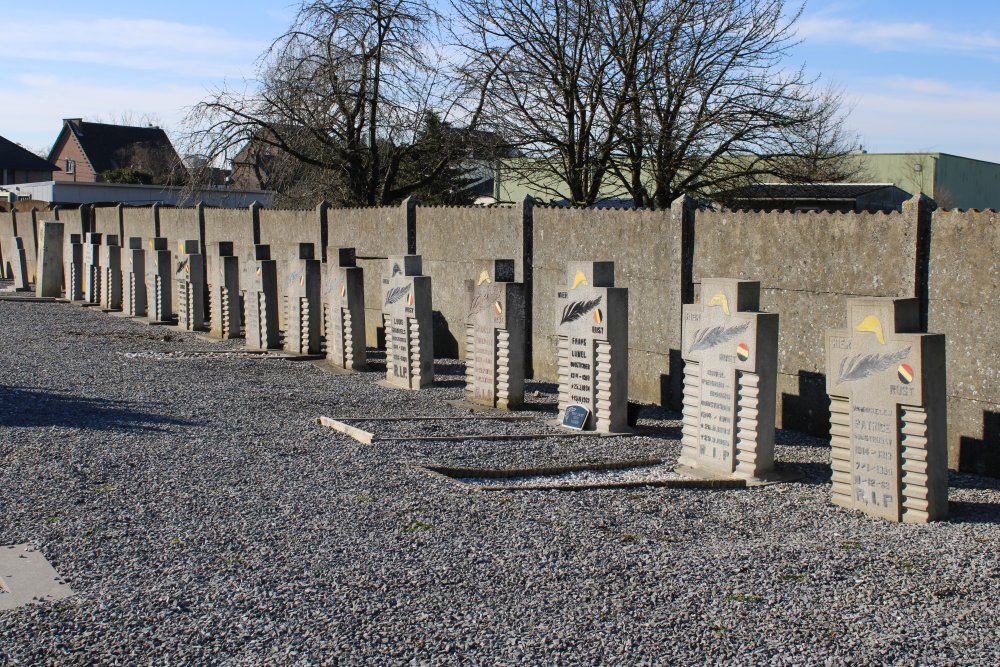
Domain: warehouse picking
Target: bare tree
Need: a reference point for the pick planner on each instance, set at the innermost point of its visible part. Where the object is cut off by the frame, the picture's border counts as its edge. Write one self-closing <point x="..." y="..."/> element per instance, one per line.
<point x="556" y="91"/>
<point x="346" y="94"/>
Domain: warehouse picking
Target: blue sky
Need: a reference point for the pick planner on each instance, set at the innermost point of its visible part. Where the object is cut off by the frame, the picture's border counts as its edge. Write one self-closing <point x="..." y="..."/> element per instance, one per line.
<point x="920" y="75"/>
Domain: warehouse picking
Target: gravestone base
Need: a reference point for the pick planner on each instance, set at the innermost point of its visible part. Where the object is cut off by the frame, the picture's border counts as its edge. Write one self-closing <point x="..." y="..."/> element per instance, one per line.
<point x="767" y="479"/>
<point x="591" y="433"/>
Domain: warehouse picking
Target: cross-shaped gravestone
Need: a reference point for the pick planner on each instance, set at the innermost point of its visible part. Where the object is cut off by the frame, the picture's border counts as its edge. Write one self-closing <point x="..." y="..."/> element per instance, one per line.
<point x="189" y="273"/>
<point x="19" y="265"/>
<point x="886" y="382"/>
<point x="407" y="315"/>
<point x="134" y="278"/>
<point x="111" y="267"/>
<point x="224" y="291"/>
<point x="92" y="268"/>
<point x="303" y="286"/>
<point x="730" y="354"/>
<point x="73" y="269"/>
<point x="344" y="301"/>
<point x="261" y="300"/>
<point x="159" y="269"/>
<point x="49" y="278"/>
<point x="592" y="324"/>
<point x="494" y="326"/>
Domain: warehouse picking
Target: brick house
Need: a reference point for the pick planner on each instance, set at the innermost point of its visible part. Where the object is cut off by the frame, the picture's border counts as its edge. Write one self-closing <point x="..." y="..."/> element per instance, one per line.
<point x="19" y="165"/>
<point x="84" y="150"/>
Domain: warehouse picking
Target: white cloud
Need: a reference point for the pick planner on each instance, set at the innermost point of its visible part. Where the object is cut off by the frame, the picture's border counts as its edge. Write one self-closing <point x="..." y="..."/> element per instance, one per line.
<point x="898" y="36"/>
<point x="35" y="116"/>
<point x="898" y="114"/>
<point x="138" y="44"/>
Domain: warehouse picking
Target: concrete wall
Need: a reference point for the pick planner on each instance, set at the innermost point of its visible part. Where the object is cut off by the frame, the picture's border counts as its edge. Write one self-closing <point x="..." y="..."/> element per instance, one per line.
<point x="283" y="231"/>
<point x="25" y="225"/>
<point x="963" y="304"/>
<point x="646" y="247"/>
<point x="808" y="264"/>
<point x="449" y="240"/>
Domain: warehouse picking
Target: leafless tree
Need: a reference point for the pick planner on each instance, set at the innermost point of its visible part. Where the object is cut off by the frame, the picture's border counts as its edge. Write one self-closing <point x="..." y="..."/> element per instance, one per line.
<point x="557" y="71"/>
<point x="346" y="94"/>
<point x="652" y="98"/>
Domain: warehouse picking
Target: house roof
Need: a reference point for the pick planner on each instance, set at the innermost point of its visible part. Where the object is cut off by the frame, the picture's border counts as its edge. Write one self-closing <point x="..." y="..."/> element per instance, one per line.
<point x="798" y="191"/>
<point x="13" y="156"/>
<point x="102" y="143"/>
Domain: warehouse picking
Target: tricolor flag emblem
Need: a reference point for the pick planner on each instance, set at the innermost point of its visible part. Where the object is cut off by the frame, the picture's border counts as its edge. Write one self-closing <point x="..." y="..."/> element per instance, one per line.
<point x="258" y="272"/>
<point x="905" y="373"/>
<point x="598" y="316"/>
<point x="409" y="299"/>
<point x="343" y="289"/>
<point x="497" y="308"/>
<point x="743" y="351"/>
<point x="302" y="281"/>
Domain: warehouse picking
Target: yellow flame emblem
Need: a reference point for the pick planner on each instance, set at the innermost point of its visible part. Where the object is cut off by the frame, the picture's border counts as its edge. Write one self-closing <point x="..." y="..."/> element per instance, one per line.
<point x="484" y="277"/>
<point x="872" y="324"/>
<point x="720" y="300"/>
<point x="580" y="279"/>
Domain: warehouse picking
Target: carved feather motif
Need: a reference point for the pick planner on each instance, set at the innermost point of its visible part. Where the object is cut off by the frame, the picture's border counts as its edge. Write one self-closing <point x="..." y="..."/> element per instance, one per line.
<point x="578" y="309"/>
<point x="706" y="339"/>
<point x="484" y="299"/>
<point x="861" y="366"/>
<point x="396" y="293"/>
<point x="180" y="265"/>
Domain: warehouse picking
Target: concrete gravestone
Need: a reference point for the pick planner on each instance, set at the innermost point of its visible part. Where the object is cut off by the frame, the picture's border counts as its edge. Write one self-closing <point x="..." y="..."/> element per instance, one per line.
<point x="303" y="285"/>
<point x="134" y="278"/>
<point x="74" y="268"/>
<point x="111" y="267"/>
<point x="592" y="324"/>
<point x="92" y="268"/>
<point x="48" y="282"/>
<point x="730" y="354"/>
<point x="407" y="314"/>
<point x="224" y="291"/>
<point x="159" y="269"/>
<point x="189" y="274"/>
<point x="344" y="300"/>
<point x="261" y="300"/>
<point x="19" y="266"/>
<point x="886" y="382"/>
<point x="494" y="325"/>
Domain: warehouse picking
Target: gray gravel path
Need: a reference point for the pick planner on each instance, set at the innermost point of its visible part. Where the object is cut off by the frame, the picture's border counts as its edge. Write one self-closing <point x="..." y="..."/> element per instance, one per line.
<point x="204" y="518"/>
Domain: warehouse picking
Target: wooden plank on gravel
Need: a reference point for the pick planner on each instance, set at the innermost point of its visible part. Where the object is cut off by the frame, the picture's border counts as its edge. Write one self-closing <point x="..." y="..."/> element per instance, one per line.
<point x="364" y="437"/>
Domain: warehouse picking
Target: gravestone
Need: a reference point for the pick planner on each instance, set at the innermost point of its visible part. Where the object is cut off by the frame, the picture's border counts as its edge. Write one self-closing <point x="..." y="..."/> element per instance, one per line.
<point x="92" y="268"/>
<point x="592" y="325"/>
<point x="159" y="269"/>
<point x="49" y="279"/>
<point x="73" y="269"/>
<point x="111" y="268"/>
<point x="730" y="353"/>
<point x="19" y="266"/>
<point x="886" y="381"/>
<point x="189" y="274"/>
<point x="261" y="300"/>
<point x="224" y="291"/>
<point x="407" y="315"/>
<point x="303" y="286"/>
<point x="344" y="301"/>
<point x="494" y="334"/>
<point x="134" y="278"/>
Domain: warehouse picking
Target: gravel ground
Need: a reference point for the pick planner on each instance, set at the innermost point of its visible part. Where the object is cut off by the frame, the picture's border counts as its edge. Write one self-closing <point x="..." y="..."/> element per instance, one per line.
<point x="203" y="517"/>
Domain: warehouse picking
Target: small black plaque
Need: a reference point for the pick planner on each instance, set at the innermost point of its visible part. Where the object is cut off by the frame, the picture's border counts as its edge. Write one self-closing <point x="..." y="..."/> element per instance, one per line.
<point x="575" y="417"/>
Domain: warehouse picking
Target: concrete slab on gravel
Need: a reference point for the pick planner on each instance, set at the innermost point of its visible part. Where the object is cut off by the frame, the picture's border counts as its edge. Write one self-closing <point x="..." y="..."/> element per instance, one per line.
<point x="26" y="577"/>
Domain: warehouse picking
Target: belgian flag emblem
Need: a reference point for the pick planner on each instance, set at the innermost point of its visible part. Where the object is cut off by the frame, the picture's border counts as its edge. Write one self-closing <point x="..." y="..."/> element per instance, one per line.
<point x="302" y="281"/>
<point x="497" y="308"/>
<point x="598" y="316"/>
<point x="343" y="290"/>
<point x="905" y="372"/>
<point x="409" y="299"/>
<point x="742" y="351"/>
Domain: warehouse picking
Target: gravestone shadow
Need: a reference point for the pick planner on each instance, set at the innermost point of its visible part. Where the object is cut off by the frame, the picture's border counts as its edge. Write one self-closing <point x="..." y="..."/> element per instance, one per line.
<point x="809" y="411"/>
<point x="21" y="407"/>
<point x="982" y="456"/>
